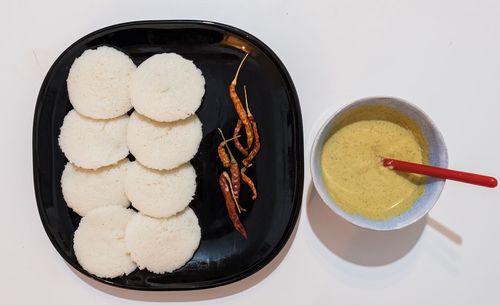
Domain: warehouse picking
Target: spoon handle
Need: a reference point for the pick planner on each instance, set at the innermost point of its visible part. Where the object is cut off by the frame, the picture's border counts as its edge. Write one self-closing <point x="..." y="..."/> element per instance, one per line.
<point x="440" y="172"/>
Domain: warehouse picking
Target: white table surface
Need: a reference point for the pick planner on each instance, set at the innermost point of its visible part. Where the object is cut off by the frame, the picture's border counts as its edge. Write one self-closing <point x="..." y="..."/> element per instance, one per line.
<point x="443" y="56"/>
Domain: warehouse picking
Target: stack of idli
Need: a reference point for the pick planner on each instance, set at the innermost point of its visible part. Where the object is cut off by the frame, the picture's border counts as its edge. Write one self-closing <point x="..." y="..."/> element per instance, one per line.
<point x="93" y="136"/>
<point x="165" y="91"/>
<point x="99" y="182"/>
<point x="163" y="134"/>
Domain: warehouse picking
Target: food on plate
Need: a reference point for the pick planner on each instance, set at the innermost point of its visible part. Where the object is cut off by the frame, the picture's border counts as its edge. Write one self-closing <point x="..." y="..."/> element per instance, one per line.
<point x="237" y="142"/>
<point x="256" y="143"/>
<point x="160" y="193"/>
<point x="249" y="182"/>
<point x="230" y="185"/>
<point x="99" y="182"/>
<point x="352" y="168"/>
<point x="98" y="83"/>
<point x="238" y="107"/>
<point x="99" y="242"/>
<point x="163" y="244"/>
<point x="221" y="150"/>
<point x="167" y="87"/>
<point x="234" y="169"/>
<point x="90" y="143"/>
<point x="162" y="145"/>
<point x="231" y="204"/>
<point x="87" y="189"/>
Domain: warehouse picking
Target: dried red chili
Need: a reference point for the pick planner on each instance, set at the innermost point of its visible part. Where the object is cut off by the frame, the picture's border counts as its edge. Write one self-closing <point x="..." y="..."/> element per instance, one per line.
<point x="223" y="156"/>
<point x="249" y="182"/>
<point x="237" y="143"/>
<point x="235" y="172"/>
<point x="239" y="107"/>
<point x="256" y="146"/>
<point x="231" y="205"/>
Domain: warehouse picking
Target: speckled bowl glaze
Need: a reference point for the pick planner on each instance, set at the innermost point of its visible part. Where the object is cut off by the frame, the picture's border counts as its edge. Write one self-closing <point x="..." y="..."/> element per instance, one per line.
<point x="438" y="156"/>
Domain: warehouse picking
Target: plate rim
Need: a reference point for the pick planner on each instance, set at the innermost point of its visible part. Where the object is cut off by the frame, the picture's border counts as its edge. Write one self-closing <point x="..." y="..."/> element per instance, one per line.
<point x="298" y="191"/>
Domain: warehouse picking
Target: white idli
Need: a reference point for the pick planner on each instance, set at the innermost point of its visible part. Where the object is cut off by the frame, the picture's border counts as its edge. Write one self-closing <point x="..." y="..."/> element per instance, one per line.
<point x="163" y="145"/>
<point x="99" y="242"/>
<point x="90" y="143"/>
<point x="165" y="244"/>
<point x="160" y="193"/>
<point x="87" y="189"/>
<point x="98" y="83"/>
<point x="167" y="87"/>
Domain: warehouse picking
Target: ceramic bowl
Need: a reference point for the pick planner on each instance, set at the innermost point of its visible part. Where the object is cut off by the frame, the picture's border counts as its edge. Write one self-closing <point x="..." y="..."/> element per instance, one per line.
<point x="438" y="156"/>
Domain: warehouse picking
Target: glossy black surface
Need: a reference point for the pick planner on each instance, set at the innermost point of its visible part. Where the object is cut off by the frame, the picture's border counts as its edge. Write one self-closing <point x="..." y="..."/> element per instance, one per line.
<point x="223" y="256"/>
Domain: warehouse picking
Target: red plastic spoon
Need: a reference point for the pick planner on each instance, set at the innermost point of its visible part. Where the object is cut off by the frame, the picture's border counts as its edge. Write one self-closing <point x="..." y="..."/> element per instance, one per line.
<point x="440" y="172"/>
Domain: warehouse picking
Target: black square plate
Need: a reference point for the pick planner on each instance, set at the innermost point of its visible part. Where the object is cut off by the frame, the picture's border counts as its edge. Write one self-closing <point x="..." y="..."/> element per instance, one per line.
<point x="223" y="255"/>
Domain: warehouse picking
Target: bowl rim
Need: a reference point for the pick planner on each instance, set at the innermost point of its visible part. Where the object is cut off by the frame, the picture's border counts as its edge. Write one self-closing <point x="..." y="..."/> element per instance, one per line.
<point x="316" y="175"/>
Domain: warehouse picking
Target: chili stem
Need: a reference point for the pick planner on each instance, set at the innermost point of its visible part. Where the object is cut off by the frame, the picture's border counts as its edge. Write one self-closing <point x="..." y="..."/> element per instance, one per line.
<point x="246" y="101"/>
<point x="235" y="79"/>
